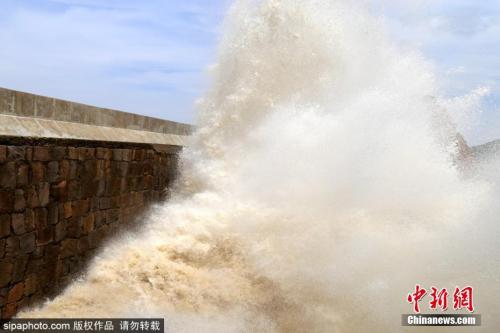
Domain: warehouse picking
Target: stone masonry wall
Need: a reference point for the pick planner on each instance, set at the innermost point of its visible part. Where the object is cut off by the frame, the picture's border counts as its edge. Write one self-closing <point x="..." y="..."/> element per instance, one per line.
<point x="60" y="199"/>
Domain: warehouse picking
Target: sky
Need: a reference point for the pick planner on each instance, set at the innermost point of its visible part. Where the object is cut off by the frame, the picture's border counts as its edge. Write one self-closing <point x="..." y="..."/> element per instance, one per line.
<point x="150" y="57"/>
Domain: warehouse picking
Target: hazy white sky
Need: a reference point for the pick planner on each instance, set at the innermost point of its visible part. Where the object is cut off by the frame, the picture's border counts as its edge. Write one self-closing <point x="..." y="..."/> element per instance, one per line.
<point x="149" y="57"/>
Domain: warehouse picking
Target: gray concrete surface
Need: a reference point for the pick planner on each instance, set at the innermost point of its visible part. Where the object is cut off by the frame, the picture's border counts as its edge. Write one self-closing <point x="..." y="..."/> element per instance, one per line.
<point x="29" y="115"/>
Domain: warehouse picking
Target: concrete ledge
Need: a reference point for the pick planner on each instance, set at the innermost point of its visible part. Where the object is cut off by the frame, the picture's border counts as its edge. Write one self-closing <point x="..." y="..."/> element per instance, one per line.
<point x="42" y="128"/>
<point x="24" y="114"/>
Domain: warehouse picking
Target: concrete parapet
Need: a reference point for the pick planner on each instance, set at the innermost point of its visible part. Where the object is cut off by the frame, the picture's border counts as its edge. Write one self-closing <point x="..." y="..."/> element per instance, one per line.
<point x="29" y="115"/>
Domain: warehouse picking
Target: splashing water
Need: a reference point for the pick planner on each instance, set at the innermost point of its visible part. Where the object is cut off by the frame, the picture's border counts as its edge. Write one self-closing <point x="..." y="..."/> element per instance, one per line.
<point x="321" y="185"/>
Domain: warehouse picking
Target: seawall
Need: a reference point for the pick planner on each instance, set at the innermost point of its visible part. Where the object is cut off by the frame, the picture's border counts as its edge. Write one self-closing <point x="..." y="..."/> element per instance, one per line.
<point x="71" y="175"/>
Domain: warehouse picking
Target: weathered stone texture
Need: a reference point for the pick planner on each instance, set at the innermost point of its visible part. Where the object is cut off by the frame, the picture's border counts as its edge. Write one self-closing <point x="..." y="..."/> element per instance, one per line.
<point x="59" y="201"/>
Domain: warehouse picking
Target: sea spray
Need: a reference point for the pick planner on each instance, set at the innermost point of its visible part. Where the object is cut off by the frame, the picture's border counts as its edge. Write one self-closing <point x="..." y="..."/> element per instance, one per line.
<point x="322" y="183"/>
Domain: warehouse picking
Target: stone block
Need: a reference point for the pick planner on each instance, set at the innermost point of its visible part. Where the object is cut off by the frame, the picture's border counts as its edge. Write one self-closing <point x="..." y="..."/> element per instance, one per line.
<point x="74" y="263"/>
<point x="126" y="155"/>
<point x="3" y="296"/>
<point x="22" y="175"/>
<point x="44" y="194"/>
<point x="51" y="254"/>
<point x="8" y="175"/>
<point x="38" y="253"/>
<point x="73" y="170"/>
<point x="85" y="153"/>
<point x="124" y="168"/>
<point x="90" y="170"/>
<point x="2" y="247"/>
<point x="19" y="201"/>
<point x="29" y="153"/>
<point x="18" y="224"/>
<point x="6" y="201"/>
<point x="74" y="190"/>
<point x="64" y="169"/>
<point x="3" y="154"/>
<point x="15" y="293"/>
<point x="113" y="186"/>
<point x="100" y="219"/>
<point x="94" y="204"/>
<point x="101" y="188"/>
<point x="68" y="210"/>
<point x="9" y="310"/>
<point x="53" y="213"/>
<point x="83" y="245"/>
<point x="58" y="153"/>
<point x="45" y="235"/>
<point x="101" y="169"/>
<point x="103" y="233"/>
<point x="90" y="189"/>
<point x="29" y="220"/>
<point x="63" y="267"/>
<point x="93" y="238"/>
<point x="59" y="191"/>
<point x="139" y="199"/>
<point x="124" y="186"/>
<point x="136" y="169"/>
<point x="125" y="199"/>
<point x="19" y="269"/>
<point x="107" y="167"/>
<point x="87" y="224"/>
<point x="104" y="153"/>
<point x="43" y="279"/>
<point x="53" y="172"/>
<point x="132" y="183"/>
<point x="147" y="167"/>
<point x="138" y="154"/>
<point x="150" y="154"/>
<point x="41" y="153"/>
<point x="72" y="153"/>
<point x="112" y="216"/>
<point x="4" y="225"/>
<point x="60" y="231"/>
<point x="117" y="154"/>
<point x="27" y="242"/>
<point x="12" y="247"/>
<point x="34" y="265"/>
<point x="38" y="172"/>
<point x="32" y="200"/>
<point x="41" y="217"/>
<point x="115" y="202"/>
<point x="148" y="182"/>
<point x="59" y="270"/>
<point x="30" y="285"/>
<point x="6" y="268"/>
<point x="80" y="207"/>
<point x="69" y="247"/>
<point x="74" y="228"/>
<point x="155" y="195"/>
<point x="105" y="203"/>
<point x="15" y="153"/>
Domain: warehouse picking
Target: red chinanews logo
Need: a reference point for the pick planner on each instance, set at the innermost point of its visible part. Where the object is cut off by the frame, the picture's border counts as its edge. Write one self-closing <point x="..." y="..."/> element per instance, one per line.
<point x="462" y="298"/>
